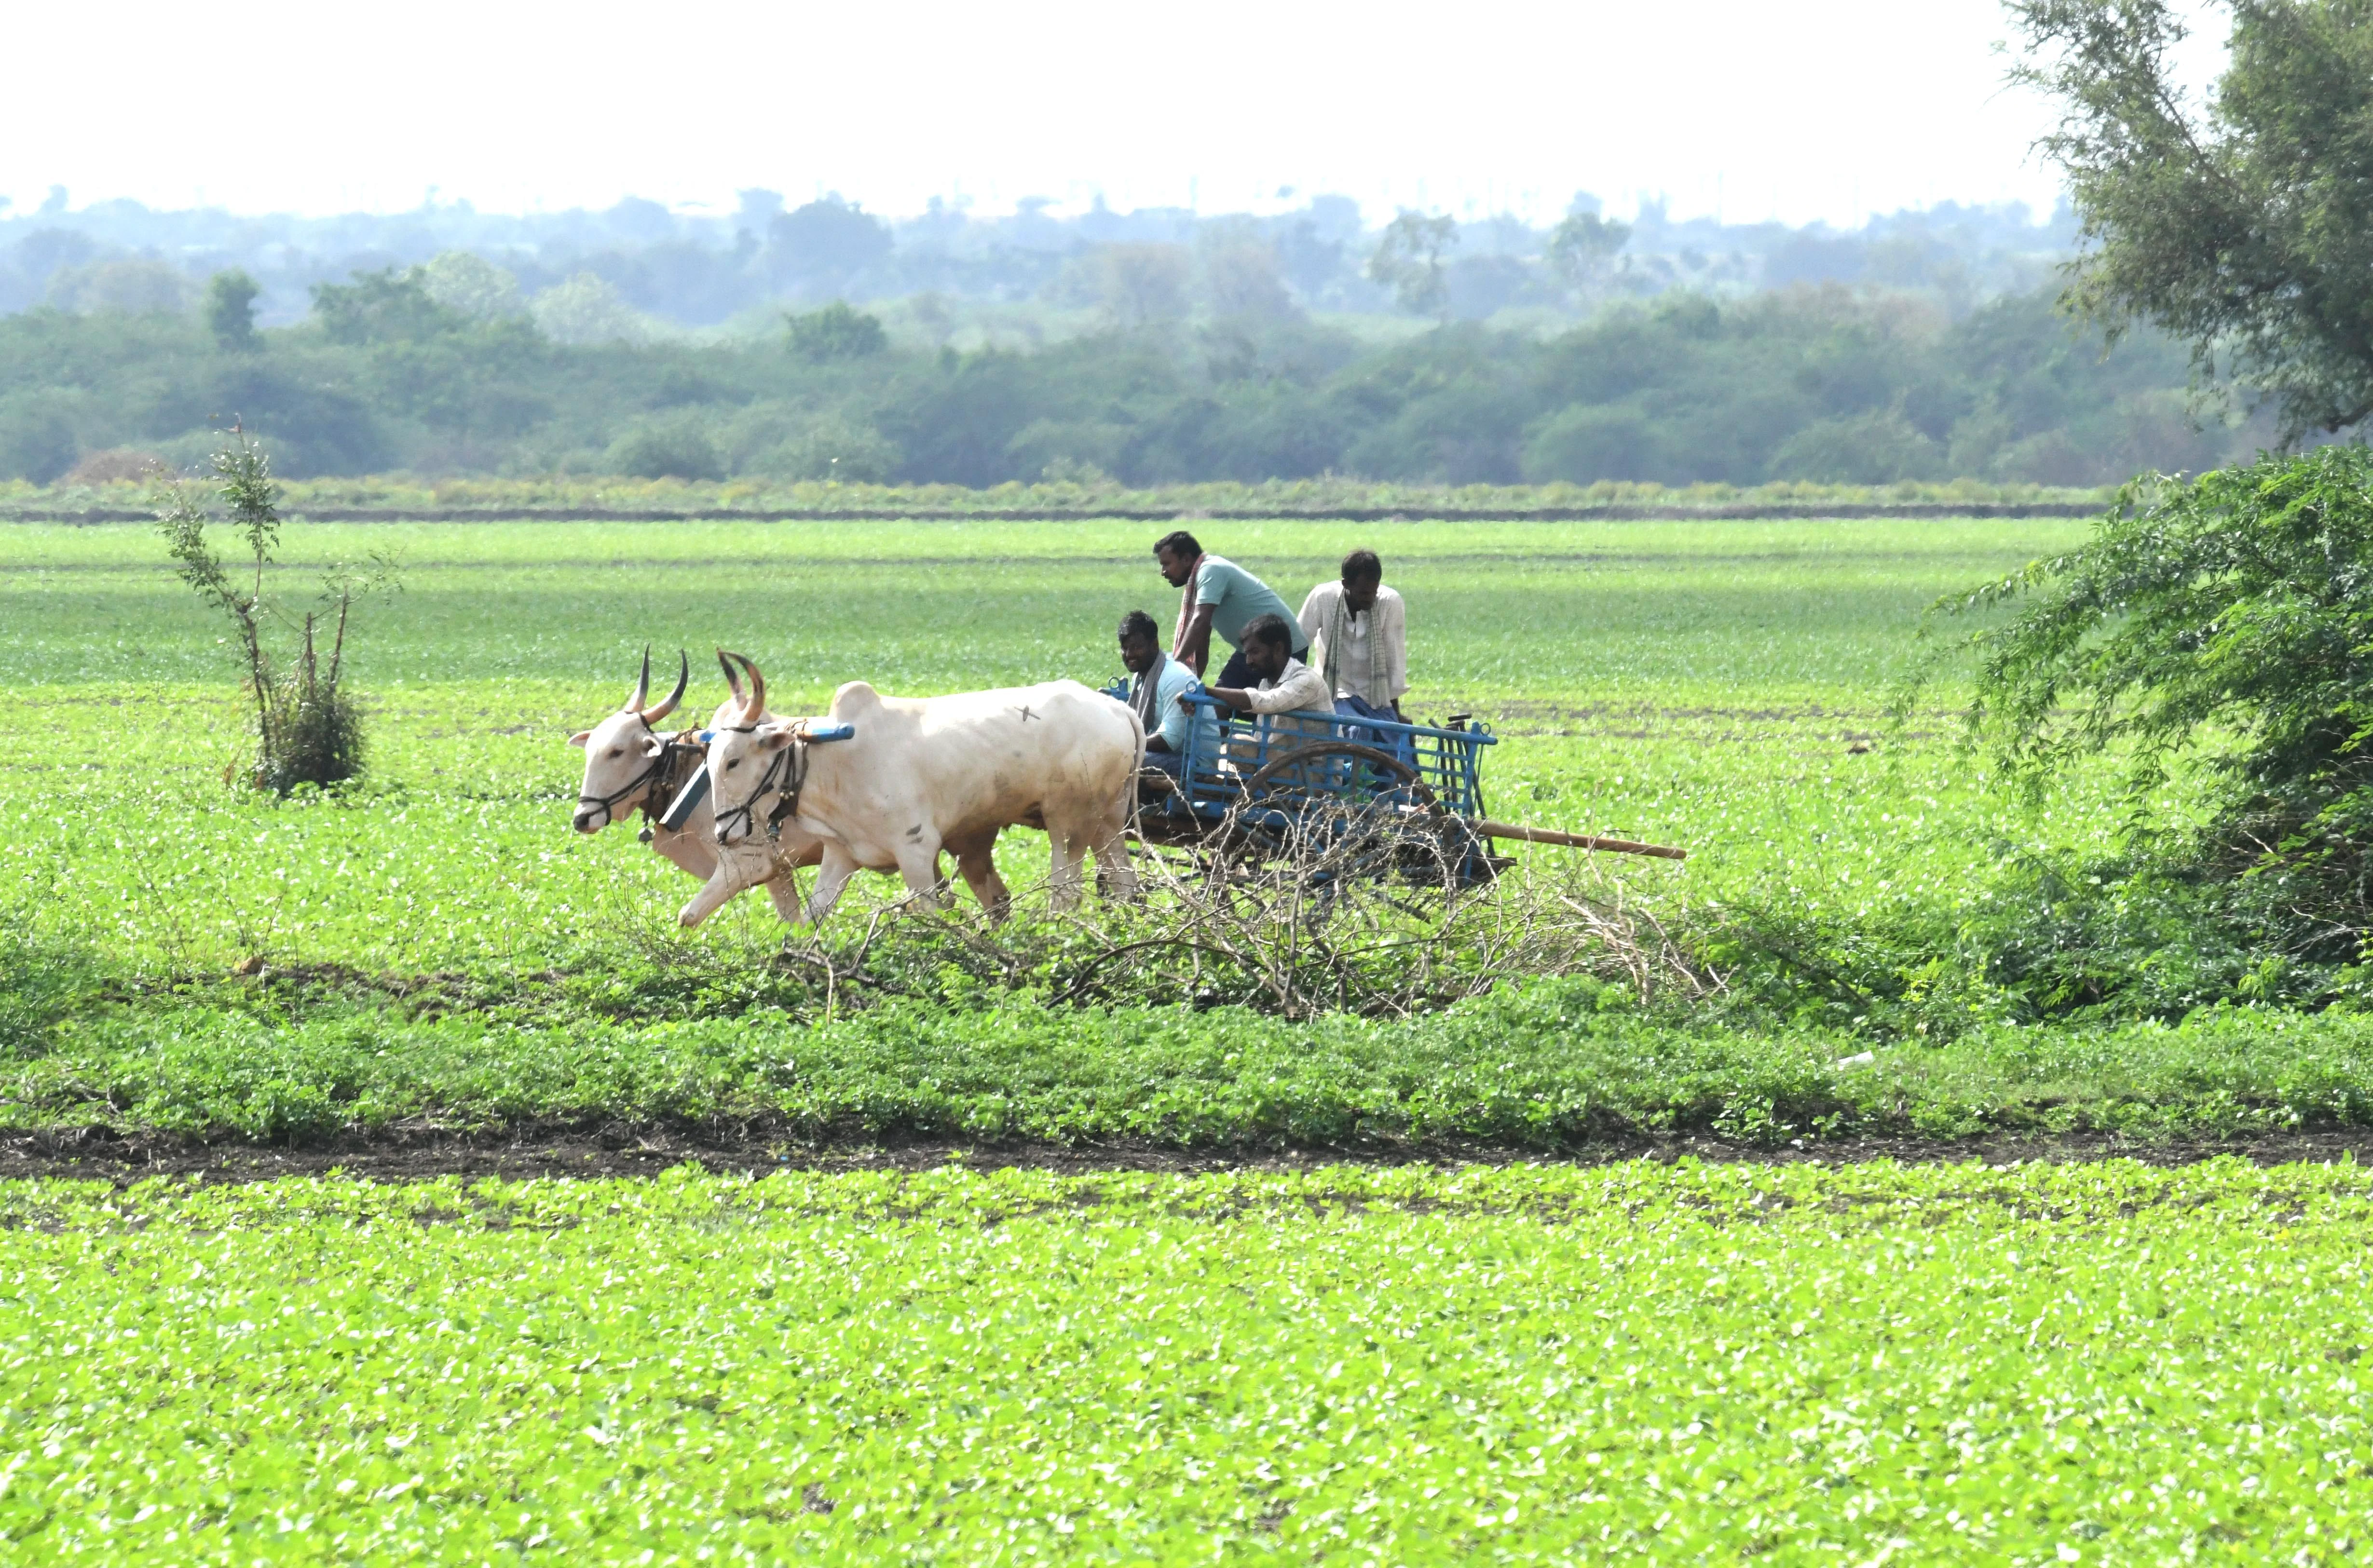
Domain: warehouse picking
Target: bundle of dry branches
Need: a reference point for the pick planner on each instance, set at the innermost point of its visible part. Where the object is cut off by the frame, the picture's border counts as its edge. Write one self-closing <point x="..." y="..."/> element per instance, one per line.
<point x="1325" y="921"/>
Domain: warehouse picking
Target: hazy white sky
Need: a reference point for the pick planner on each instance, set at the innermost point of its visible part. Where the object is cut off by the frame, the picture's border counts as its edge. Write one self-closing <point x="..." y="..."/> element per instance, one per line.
<point x="1823" y="109"/>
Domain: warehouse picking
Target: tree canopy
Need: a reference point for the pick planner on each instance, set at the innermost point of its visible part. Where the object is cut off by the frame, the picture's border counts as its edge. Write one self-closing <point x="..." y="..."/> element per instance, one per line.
<point x="436" y="370"/>
<point x="2241" y="222"/>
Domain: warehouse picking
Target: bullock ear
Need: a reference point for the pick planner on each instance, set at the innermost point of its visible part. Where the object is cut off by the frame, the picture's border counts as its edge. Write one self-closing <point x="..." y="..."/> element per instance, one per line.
<point x="775" y="735"/>
<point x="580" y="737"/>
<point x="653" y="745"/>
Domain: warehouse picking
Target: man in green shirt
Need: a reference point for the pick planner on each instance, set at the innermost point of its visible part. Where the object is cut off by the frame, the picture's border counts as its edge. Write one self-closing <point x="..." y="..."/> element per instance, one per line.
<point x="1220" y="597"/>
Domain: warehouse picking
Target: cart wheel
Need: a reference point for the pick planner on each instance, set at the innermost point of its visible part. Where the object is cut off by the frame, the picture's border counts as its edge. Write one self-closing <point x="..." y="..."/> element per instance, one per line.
<point x="1355" y="839"/>
<point x="1302" y="756"/>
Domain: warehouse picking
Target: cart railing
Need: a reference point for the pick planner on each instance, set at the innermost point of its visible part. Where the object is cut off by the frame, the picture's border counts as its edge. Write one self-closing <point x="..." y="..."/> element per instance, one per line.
<point x="1222" y="758"/>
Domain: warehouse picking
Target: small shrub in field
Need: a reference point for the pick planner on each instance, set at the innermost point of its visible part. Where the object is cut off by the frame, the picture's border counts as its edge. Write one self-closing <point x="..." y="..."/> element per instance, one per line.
<point x="41" y="979"/>
<point x="308" y="729"/>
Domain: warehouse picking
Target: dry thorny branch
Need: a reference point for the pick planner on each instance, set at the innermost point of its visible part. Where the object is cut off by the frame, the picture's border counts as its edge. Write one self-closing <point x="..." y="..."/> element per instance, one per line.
<point x="1322" y="923"/>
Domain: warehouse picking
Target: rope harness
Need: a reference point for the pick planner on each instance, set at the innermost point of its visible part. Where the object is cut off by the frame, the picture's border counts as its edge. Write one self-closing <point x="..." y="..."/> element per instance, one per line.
<point x="672" y="772"/>
<point x="657" y="781"/>
<point x="787" y="772"/>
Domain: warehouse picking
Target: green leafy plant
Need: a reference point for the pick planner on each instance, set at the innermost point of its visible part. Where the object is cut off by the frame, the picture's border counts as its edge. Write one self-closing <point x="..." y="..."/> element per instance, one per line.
<point x="309" y="730"/>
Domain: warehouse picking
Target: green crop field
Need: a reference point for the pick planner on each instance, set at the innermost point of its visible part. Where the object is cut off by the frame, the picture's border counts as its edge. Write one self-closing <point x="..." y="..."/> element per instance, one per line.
<point x="1696" y="684"/>
<point x="438" y="950"/>
<point x="2093" y="1365"/>
<point x="1870" y="1362"/>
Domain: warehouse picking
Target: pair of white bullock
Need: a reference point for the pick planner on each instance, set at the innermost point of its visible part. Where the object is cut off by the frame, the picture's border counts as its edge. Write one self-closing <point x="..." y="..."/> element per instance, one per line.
<point x="885" y="784"/>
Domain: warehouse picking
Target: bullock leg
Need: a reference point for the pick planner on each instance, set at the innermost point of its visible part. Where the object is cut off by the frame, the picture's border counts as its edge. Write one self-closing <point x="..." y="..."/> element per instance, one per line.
<point x="918" y="862"/>
<point x="784" y="888"/>
<point x="723" y="883"/>
<point x="1063" y="882"/>
<point x="1116" y="877"/>
<point x="840" y="866"/>
<point x="976" y="858"/>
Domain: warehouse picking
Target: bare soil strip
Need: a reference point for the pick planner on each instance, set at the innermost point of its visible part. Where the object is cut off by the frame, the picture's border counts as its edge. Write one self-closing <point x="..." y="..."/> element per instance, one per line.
<point x="104" y="1155"/>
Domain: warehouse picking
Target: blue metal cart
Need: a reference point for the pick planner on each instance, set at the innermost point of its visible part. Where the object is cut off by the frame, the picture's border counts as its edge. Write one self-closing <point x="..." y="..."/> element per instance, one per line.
<point x="1344" y="796"/>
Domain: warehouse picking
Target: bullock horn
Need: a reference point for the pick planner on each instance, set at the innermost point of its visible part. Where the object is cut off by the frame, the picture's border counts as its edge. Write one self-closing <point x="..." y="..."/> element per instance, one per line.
<point x="683" y="678"/>
<point x="732" y="680"/>
<point x="755" y="702"/>
<point x="642" y="687"/>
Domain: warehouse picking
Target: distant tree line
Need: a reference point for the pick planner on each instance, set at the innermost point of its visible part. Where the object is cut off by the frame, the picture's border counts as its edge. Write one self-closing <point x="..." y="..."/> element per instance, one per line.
<point x="445" y="368"/>
<point x="678" y="268"/>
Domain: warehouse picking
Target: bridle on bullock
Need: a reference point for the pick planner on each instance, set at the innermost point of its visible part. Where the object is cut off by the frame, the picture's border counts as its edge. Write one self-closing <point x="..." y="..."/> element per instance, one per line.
<point x="660" y="780"/>
<point x="787" y="772"/>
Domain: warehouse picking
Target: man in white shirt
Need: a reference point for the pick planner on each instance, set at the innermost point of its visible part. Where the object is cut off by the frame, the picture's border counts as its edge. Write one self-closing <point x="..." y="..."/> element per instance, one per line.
<point x="1359" y="638"/>
<point x="1290" y="694"/>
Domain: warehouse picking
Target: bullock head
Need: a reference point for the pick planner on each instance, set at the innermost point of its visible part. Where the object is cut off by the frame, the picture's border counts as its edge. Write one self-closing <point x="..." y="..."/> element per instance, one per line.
<point x="622" y="754"/>
<point x="748" y="767"/>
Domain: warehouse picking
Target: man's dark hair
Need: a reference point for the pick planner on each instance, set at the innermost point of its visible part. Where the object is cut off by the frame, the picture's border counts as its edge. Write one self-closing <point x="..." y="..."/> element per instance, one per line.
<point x="1361" y="566"/>
<point x="1137" y="623"/>
<point x="1270" y="632"/>
<point x="1180" y="543"/>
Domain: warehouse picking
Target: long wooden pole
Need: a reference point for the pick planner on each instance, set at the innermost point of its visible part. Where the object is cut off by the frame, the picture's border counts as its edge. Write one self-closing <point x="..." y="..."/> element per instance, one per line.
<point x="1490" y="829"/>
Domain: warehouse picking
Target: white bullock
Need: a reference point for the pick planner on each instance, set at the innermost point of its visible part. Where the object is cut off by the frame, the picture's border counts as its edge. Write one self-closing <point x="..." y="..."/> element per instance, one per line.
<point x="630" y="767"/>
<point x="921" y="775"/>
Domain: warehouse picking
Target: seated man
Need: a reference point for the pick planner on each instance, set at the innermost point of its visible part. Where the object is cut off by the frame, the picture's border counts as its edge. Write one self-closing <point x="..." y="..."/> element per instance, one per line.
<point x="1161" y="682"/>
<point x="1290" y="694"/>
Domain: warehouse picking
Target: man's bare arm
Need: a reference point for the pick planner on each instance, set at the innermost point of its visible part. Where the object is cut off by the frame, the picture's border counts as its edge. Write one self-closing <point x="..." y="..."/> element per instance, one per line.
<point x="1235" y="697"/>
<point x="1195" y="650"/>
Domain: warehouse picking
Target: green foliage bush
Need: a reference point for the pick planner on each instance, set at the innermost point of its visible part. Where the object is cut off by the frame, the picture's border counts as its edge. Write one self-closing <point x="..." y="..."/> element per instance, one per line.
<point x="44" y="980"/>
<point x="836" y="331"/>
<point x="2224" y="623"/>
<point x="1553" y="1065"/>
<point x="673" y="449"/>
<point x="308" y="731"/>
